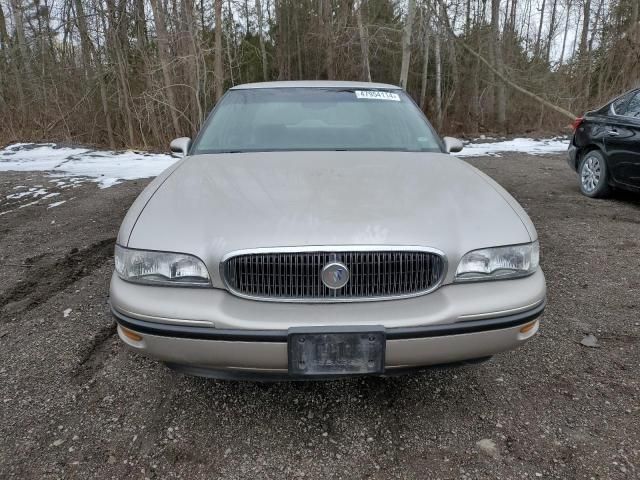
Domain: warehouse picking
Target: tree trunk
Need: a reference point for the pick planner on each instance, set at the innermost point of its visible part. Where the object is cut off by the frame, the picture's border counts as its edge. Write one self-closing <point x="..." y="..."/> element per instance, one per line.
<point x="364" y="41"/>
<point x="438" y="98"/>
<point x="218" y="72"/>
<point x="327" y="12"/>
<point x="566" y="30"/>
<point x="164" y="56"/>
<point x="142" y="46"/>
<point x="18" y="21"/>
<point x="425" y="62"/>
<point x="141" y="25"/>
<point x="587" y="77"/>
<point x="114" y="33"/>
<point x="512" y="16"/>
<point x="539" y="37"/>
<point x="280" y="39"/>
<point x="501" y="101"/>
<point x="425" y="75"/>
<point x="299" y="58"/>
<point x="192" y="55"/>
<point x="467" y="21"/>
<point x="263" y="50"/>
<point x="88" y="51"/>
<point x="635" y="28"/>
<point x="406" y="45"/>
<point x="230" y="41"/>
<point x="453" y="62"/>
<point x="552" y="30"/>
<point x="574" y="47"/>
<point x="5" y="43"/>
<point x="585" y="27"/>
<point x="634" y="48"/>
<point x="475" y="110"/>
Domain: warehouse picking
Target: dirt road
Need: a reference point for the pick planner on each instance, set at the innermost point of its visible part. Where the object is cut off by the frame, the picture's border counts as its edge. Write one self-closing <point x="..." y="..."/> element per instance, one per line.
<point x="76" y="404"/>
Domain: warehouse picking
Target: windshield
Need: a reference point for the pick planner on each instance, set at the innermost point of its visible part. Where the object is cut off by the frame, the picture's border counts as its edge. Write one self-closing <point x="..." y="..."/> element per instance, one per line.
<point x="276" y="119"/>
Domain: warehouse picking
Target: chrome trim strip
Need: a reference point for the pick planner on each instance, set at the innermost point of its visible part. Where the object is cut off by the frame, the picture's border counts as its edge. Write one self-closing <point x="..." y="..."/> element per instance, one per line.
<point x="331" y="249"/>
<point x="165" y="320"/>
<point x="500" y="313"/>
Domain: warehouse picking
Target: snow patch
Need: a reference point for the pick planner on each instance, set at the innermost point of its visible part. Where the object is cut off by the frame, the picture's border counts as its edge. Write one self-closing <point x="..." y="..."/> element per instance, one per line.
<point x="28" y="204"/>
<point x="524" y="145"/>
<point x="56" y="204"/>
<point x="104" y="167"/>
<point x="32" y="192"/>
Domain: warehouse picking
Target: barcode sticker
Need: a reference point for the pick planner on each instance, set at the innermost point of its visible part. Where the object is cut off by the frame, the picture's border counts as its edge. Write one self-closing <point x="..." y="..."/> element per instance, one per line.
<point x="377" y="95"/>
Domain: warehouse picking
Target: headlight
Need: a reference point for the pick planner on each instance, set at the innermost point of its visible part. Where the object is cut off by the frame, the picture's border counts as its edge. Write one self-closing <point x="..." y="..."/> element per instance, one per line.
<point x="499" y="262"/>
<point x="160" y="268"/>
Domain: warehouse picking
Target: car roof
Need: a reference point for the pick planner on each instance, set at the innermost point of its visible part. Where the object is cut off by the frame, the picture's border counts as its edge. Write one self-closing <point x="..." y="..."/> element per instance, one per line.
<point x="316" y="84"/>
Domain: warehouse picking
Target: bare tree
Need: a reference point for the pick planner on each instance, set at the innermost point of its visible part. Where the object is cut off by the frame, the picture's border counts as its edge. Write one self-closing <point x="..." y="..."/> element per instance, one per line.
<point x="406" y="44"/>
<point x="501" y="96"/>
<point x="88" y="52"/>
<point x="218" y="72"/>
<point x="584" y="36"/>
<point x="5" y="45"/>
<point x="566" y="31"/>
<point x="326" y="19"/>
<point x="164" y="55"/>
<point x="438" y="86"/>
<point x="552" y="30"/>
<point x="539" y="37"/>
<point x="364" y="41"/>
<point x="263" y="50"/>
<point x="426" y="30"/>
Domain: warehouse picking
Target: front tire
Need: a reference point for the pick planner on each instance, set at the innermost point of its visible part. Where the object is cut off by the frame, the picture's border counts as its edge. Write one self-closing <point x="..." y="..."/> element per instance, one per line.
<point x="594" y="175"/>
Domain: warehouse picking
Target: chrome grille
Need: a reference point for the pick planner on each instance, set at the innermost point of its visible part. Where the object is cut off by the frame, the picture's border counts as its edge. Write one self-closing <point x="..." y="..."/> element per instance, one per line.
<point x="296" y="275"/>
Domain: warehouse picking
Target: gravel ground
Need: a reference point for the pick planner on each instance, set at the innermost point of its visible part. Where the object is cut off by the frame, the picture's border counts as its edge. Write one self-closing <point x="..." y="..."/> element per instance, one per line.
<point x="76" y="404"/>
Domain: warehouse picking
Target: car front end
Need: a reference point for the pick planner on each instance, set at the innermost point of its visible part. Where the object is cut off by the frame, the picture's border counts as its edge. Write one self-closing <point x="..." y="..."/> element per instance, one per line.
<point x="215" y="333"/>
<point x="309" y="264"/>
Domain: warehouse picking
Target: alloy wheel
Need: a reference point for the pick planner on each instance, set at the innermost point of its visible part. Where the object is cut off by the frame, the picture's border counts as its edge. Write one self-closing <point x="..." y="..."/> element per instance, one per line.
<point x="591" y="174"/>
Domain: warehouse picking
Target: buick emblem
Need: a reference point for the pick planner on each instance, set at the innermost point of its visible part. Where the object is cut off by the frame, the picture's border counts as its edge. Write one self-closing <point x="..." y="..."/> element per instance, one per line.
<point x="335" y="275"/>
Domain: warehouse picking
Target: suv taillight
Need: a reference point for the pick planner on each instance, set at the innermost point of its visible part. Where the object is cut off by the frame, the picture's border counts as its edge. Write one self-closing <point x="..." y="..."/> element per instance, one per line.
<point x="576" y="123"/>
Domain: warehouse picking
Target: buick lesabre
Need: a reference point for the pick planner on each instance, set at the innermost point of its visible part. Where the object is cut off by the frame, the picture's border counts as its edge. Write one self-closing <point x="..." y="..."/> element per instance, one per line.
<point x="320" y="230"/>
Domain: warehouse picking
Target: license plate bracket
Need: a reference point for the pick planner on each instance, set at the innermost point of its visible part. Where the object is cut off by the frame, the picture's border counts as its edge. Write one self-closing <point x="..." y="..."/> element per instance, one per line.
<point x="336" y="351"/>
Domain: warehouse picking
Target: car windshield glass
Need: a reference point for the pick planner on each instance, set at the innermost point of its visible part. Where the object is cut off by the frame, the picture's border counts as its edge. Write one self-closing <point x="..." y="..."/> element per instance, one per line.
<point x="275" y="119"/>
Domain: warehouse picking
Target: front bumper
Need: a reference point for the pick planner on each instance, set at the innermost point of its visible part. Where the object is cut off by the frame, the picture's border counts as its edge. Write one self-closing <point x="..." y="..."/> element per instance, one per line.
<point x="227" y="352"/>
<point x="218" y="309"/>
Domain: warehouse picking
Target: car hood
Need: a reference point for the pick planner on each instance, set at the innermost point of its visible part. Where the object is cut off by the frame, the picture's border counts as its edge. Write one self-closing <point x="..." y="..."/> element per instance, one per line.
<point x="214" y="204"/>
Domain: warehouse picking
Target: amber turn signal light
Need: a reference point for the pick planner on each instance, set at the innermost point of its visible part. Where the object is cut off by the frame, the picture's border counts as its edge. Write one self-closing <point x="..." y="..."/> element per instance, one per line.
<point x="528" y="327"/>
<point x="131" y="335"/>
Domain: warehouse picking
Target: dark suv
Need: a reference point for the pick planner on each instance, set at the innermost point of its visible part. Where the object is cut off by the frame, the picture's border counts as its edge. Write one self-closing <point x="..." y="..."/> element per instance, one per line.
<point x="605" y="148"/>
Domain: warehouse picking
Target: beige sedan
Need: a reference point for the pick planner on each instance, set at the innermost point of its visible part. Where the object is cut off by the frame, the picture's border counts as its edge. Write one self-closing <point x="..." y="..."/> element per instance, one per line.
<point x="321" y="230"/>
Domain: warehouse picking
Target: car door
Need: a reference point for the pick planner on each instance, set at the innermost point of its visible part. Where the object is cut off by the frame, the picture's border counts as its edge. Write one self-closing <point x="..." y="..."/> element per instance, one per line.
<point x="622" y="141"/>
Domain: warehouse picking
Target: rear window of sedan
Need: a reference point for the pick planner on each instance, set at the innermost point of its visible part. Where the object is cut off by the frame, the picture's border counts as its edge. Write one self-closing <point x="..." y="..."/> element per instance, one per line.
<point x="284" y="119"/>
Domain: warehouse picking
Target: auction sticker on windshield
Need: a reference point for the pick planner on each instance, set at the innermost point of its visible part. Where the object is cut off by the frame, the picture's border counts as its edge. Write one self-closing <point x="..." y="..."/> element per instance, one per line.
<point x="377" y="95"/>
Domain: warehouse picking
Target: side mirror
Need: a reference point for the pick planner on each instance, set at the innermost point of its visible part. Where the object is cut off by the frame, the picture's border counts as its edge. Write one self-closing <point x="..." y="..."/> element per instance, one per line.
<point x="180" y="147"/>
<point x="452" y="145"/>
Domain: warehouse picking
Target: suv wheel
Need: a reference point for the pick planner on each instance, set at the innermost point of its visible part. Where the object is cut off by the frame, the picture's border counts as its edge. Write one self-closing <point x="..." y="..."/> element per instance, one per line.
<point x="594" y="177"/>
